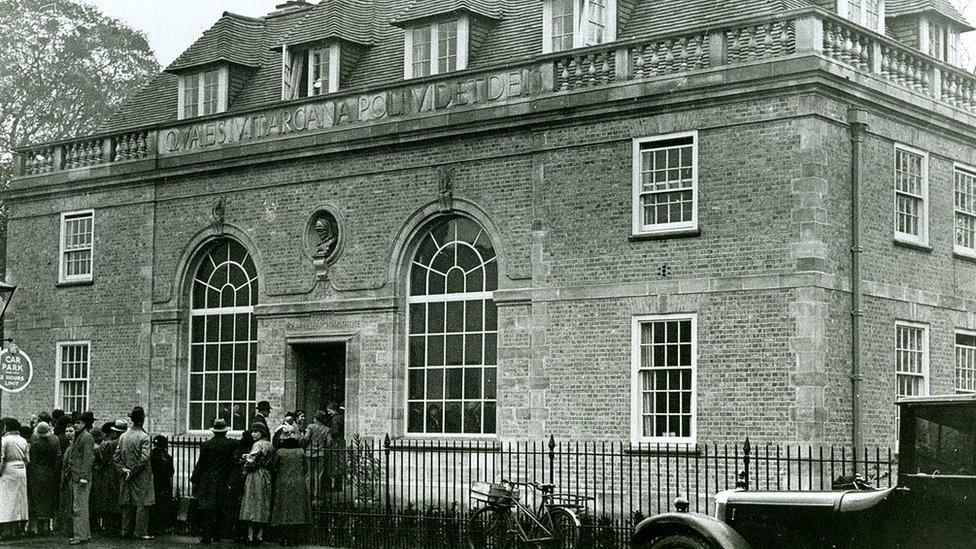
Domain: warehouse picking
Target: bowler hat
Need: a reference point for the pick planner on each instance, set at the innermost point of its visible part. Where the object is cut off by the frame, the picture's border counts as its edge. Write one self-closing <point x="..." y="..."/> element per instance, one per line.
<point x="219" y="426"/>
<point x="88" y="418"/>
<point x="120" y="426"/>
<point x="264" y="405"/>
<point x="42" y="429"/>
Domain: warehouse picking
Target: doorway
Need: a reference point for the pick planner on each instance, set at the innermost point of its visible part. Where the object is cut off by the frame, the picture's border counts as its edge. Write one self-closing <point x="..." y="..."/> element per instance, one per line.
<point x="320" y="370"/>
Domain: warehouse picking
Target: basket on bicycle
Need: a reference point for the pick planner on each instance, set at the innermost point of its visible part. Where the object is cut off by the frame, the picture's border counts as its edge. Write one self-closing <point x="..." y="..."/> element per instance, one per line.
<point x="573" y="501"/>
<point x="495" y="495"/>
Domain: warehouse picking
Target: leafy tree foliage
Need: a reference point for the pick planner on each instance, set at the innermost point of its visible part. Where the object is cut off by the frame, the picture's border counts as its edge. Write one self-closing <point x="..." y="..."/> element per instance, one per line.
<point x="64" y="67"/>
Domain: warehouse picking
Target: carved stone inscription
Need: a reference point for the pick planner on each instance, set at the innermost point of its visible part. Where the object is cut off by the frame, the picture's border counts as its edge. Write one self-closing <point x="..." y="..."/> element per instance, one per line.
<point x="318" y="117"/>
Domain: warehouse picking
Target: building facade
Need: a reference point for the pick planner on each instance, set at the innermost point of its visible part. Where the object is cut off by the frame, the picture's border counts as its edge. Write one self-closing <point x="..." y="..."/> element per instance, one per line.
<point x="504" y="220"/>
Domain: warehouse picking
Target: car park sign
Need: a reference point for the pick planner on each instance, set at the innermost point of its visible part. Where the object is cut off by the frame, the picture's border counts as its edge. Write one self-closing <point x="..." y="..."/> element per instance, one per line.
<point x="16" y="370"/>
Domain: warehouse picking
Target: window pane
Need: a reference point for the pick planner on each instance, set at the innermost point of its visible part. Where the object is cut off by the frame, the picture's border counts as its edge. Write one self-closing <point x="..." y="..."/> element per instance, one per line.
<point x="665" y="376"/>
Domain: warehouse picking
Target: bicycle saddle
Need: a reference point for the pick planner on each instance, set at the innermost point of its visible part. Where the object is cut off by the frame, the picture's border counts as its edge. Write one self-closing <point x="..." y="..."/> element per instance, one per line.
<point x="547" y="487"/>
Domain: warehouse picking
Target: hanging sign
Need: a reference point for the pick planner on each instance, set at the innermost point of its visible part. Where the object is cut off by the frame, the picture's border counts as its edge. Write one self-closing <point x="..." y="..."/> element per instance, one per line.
<point x="16" y="370"/>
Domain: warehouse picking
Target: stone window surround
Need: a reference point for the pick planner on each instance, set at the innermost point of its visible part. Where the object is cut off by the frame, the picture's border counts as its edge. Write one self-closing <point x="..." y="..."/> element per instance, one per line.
<point x="639" y="228"/>
<point x="463" y="42"/>
<point x="921" y="239"/>
<point x="636" y="408"/>
<point x="579" y="35"/>
<point x="223" y="83"/>
<point x="964" y="353"/>
<point x="958" y="249"/>
<point x="63" y="276"/>
<point x="59" y="379"/>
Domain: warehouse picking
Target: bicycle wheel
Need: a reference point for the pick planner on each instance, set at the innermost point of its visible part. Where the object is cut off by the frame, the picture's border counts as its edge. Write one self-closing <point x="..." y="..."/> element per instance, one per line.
<point x="564" y="525"/>
<point x="490" y="528"/>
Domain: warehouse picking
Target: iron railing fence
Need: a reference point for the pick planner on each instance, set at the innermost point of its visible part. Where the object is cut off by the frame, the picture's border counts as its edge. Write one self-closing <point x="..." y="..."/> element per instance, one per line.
<point x="416" y="493"/>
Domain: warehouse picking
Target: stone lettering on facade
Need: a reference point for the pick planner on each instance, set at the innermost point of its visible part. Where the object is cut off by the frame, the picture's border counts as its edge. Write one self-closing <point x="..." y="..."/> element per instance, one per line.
<point x="317" y="117"/>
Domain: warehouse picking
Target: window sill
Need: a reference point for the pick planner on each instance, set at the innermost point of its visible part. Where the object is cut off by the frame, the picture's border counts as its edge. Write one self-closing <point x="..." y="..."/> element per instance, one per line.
<point x="966" y="256"/>
<point x="662" y="449"/>
<point x="665" y="235"/>
<point x="72" y="283"/>
<point x="444" y="444"/>
<point x="912" y="245"/>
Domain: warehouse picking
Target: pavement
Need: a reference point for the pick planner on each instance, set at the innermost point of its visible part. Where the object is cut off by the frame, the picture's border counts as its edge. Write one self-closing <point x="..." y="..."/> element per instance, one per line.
<point x="99" y="541"/>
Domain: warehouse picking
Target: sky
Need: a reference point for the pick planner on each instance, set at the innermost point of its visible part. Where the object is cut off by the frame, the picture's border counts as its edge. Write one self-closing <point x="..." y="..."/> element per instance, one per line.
<point x="172" y="25"/>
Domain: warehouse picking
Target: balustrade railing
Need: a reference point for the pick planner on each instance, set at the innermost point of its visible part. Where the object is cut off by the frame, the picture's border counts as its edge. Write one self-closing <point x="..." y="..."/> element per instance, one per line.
<point x="802" y="32"/>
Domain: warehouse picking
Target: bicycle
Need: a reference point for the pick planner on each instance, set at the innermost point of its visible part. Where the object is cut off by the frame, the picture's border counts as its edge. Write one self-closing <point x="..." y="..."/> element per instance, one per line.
<point x="497" y="525"/>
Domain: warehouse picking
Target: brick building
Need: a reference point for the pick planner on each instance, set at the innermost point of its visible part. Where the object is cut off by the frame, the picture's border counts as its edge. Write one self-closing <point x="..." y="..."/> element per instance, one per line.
<point x="602" y="219"/>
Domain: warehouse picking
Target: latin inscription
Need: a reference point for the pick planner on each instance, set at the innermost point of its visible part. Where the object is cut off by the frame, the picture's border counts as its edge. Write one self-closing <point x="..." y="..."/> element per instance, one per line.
<point x="317" y="117"/>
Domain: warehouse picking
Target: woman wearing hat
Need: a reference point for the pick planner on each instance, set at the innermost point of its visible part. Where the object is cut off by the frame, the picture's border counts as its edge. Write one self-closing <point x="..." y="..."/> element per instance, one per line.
<point x="13" y="479"/>
<point x="256" y="506"/>
<point x="43" y="478"/>
<point x="107" y="478"/>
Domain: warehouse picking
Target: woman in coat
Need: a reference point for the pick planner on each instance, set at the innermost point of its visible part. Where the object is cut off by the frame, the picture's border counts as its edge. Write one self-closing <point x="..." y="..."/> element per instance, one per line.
<point x="256" y="505"/>
<point x="13" y="479"/>
<point x="43" y="478"/>
<point x="291" y="508"/>
<point x="107" y="478"/>
<point x="65" y="498"/>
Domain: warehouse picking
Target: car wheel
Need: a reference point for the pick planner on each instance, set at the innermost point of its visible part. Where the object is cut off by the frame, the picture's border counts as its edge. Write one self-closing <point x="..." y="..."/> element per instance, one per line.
<point x="679" y="541"/>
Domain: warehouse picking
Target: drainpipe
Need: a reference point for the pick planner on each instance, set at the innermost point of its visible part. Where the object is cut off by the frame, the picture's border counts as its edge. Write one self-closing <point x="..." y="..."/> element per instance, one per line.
<point x="857" y="118"/>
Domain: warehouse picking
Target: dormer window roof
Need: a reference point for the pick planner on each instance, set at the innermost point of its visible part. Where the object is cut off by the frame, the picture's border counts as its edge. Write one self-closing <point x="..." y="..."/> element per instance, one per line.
<point x="437" y="35"/>
<point x="943" y="8"/>
<point x="333" y="20"/>
<point x="421" y="11"/>
<point x="234" y="39"/>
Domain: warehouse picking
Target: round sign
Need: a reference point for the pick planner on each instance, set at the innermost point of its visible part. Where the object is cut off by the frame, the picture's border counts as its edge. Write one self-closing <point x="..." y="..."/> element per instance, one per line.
<point x="16" y="370"/>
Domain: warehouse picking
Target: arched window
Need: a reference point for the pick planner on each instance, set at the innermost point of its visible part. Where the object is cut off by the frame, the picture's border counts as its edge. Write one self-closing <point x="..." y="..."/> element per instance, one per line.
<point x="453" y="331"/>
<point x="223" y="337"/>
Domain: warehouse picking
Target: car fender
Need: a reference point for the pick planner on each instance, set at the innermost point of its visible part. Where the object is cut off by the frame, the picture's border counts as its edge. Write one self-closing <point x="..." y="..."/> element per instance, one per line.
<point x="715" y="532"/>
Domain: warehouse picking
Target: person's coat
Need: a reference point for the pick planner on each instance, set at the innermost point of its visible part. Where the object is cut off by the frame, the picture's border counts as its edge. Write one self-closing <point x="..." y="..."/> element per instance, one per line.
<point x="291" y="503"/>
<point x="44" y="477"/>
<point x="133" y="454"/>
<point x="81" y="457"/>
<point x="107" y="479"/>
<point x="214" y="471"/>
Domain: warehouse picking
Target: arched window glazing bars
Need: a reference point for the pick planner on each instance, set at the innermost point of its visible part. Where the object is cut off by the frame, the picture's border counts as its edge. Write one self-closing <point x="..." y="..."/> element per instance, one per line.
<point x="452" y="332"/>
<point x="223" y="337"/>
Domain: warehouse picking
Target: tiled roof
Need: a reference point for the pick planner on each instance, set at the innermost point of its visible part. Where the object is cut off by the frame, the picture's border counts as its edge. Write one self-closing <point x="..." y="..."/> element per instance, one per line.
<point x="347" y="20"/>
<point x="665" y="16"/>
<point x="515" y="34"/>
<point x="233" y="38"/>
<point x="423" y="9"/>
<point x="896" y="8"/>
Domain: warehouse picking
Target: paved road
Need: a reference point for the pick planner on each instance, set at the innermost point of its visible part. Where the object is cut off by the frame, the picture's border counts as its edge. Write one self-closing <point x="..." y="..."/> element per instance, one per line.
<point x="99" y="542"/>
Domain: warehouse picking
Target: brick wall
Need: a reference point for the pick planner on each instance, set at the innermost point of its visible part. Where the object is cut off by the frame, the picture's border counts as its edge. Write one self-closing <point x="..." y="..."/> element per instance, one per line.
<point x="768" y="276"/>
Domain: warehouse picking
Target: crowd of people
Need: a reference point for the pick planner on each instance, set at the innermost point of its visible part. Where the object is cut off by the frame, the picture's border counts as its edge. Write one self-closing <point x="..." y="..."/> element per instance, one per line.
<point x="59" y="473"/>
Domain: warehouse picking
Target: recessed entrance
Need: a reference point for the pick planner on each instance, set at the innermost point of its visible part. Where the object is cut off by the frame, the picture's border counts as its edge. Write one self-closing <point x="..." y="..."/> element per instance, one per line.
<point x="320" y="375"/>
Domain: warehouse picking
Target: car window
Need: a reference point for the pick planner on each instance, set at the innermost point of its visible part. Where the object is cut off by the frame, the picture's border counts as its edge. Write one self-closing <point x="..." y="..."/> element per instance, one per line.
<point x="944" y="440"/>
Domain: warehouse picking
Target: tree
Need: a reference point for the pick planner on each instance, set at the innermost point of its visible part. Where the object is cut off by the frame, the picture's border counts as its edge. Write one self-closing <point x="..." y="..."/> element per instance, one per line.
<point x="65" y="68"/>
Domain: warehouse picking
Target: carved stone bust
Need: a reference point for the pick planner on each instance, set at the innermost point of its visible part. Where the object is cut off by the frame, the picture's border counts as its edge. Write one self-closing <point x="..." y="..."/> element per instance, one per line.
<point x="324" y="237"/>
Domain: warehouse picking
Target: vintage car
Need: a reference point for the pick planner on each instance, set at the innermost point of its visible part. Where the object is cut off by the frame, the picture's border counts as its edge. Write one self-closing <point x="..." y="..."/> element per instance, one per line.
<point x="933" y="503"/>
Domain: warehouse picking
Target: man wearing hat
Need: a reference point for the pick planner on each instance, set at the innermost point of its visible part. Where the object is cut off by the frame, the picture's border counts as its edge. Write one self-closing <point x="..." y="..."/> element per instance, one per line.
<point x="264" y="410"/>
<point x="80" y="460"/>
<point x="211" y="480"/>
<point x="136" y="493"/>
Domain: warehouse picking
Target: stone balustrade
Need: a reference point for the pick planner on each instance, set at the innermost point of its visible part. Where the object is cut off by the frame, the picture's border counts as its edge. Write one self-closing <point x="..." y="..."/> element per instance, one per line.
<point x="808" y="32"/>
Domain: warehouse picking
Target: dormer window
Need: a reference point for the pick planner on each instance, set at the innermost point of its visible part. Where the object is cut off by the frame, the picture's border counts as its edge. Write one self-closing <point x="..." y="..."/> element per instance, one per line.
<point x="571" y="24"/>
<point x="203" y="92"/>
<point x="310" y="72"/>
<point x="866" y="13"/>
<point x="436" y="48"/>
<point x="943" y="43"/>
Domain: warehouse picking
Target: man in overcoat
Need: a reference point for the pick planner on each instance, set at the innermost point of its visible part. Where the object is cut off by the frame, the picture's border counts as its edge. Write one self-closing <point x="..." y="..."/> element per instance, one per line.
<point x="136" y="492"/>
<point x="80" y="459"/>
<point x="211" y="480"/>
